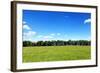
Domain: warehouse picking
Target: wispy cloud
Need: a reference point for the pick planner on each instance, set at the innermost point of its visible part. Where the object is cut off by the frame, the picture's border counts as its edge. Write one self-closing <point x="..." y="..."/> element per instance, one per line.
<point x="52" y="34"/>
<point x="47" y="37"/>
<point x="87" y="21"/>
<point x="24" y="22"/>
<point x="26" y="27"/>
<point x="29" y="33"/>
<point x="40" y="36"/>
<point x="58" y="34"/>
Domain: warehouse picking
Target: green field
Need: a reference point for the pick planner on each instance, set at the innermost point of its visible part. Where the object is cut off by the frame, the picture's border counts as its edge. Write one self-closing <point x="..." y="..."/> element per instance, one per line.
<point x="55" y="53"/>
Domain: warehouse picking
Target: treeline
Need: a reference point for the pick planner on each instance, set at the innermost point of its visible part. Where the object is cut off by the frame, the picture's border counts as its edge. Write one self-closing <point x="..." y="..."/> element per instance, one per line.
<point x="57" y="43"/>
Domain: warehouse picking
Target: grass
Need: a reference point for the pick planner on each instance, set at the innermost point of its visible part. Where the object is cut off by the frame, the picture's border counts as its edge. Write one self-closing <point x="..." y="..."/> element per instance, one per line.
<point x="55" y="53"/>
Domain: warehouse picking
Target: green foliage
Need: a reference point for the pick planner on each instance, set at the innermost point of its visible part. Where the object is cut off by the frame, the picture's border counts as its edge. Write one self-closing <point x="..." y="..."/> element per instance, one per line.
<point x="57" y="43"/>
<point x="55" y="53"/>
<point x="27" y="43"/>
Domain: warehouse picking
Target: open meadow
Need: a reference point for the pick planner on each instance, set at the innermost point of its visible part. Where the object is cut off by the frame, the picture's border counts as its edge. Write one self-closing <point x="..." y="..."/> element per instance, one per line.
<point x="55" y="53"/>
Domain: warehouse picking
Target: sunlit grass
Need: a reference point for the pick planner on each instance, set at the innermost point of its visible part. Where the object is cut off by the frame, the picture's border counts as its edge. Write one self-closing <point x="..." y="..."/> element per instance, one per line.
<point x="55" y="53"/>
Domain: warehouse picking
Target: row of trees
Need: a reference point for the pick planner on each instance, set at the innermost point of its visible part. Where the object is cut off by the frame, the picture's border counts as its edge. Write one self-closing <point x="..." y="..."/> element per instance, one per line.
<point x="57" y="43"/>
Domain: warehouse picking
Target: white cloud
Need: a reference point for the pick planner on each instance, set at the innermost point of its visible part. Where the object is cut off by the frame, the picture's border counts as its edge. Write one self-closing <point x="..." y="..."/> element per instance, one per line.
<point x="52" y="34"/>
<point x="24" y="22"/>
<point x="26" y="27"/>
<point x="29" y="33"/>
<point x="87" y="21"/>
<point x="39" y="36"/>
<point x="58" y="34"/>
<point x="47" y="37"/>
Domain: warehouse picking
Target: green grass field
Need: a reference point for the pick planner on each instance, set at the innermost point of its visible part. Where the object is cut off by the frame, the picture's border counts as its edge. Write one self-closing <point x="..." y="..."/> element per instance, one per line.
<point x="55" y="53"/>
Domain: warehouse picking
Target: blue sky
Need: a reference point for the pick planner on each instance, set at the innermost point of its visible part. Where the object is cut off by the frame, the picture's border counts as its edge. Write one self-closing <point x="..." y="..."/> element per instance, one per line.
<point x="51" y="25"/>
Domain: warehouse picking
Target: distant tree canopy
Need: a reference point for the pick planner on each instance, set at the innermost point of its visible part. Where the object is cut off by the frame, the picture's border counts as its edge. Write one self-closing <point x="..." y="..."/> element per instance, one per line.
<point x="57" y="43"/>
<point x="27" y="43"/>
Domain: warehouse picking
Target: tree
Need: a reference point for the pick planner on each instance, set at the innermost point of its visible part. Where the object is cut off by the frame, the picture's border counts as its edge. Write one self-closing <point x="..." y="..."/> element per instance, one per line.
<point x="57" y="43"/>
<point x="40" y="43"/>
<point x="27" y="43"/>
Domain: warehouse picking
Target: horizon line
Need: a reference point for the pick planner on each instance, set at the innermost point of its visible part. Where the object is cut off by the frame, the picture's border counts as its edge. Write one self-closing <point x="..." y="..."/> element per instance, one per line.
<point x="56" y="40"/>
